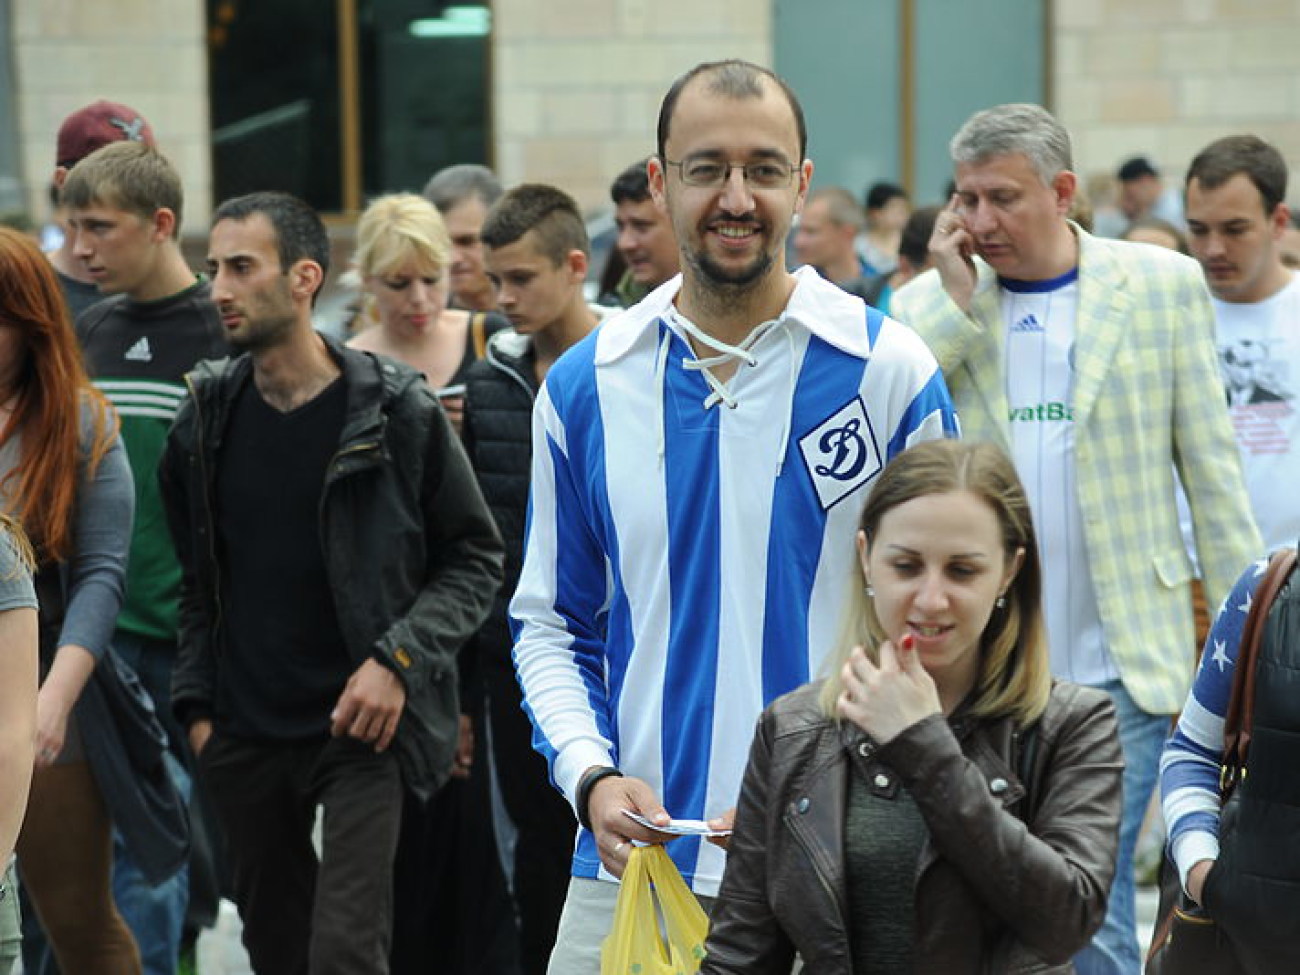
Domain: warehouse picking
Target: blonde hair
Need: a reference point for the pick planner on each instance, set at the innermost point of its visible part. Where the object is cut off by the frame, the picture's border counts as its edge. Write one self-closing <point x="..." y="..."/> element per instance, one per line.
<point x="1014" y="675"/>
<point x="25" y="558"/>
<point x="399" y="229"/>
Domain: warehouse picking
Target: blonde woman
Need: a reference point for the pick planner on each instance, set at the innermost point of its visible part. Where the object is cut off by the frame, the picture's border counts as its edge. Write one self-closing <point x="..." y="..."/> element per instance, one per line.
<point x="402" y="255"/>
<point x="938" y="804"/>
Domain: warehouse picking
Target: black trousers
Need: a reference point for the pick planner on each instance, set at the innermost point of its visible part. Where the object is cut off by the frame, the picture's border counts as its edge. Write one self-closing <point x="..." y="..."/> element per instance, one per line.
<point x="304" y="915"/>
<point x="454" y="913"/>
<point x="546" y="829"/>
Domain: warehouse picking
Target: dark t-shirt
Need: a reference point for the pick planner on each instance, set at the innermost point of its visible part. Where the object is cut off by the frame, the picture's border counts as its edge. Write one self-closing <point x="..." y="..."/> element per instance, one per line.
<point x="78" y="294"/>
<point x="285" y="663"/>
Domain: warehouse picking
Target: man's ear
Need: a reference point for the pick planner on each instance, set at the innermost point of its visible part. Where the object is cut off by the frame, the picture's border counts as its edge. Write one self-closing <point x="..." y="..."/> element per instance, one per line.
<point x="305" y="278"/>
<point x="164" y="224"/>
<point x="654" y="170"/>
<point x="1065" y="184"/>
<point x="805" y="172"/>
<point x="1279" y="220"/>
<point x="577" y="263"/>
<point x="60" y="177"/>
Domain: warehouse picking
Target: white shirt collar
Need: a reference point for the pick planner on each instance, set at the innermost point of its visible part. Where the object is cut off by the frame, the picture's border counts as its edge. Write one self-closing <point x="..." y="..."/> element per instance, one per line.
<point x="826" y="311"/>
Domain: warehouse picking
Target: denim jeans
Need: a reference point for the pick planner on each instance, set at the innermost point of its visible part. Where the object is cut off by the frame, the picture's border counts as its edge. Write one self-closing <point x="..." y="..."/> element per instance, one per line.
<point x="155" y="915"/>
<point x="1114" y="949"/>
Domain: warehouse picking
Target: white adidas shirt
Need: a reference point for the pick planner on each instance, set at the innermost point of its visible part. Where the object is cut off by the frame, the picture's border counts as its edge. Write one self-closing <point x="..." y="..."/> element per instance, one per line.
<point x="1039" y="318"/>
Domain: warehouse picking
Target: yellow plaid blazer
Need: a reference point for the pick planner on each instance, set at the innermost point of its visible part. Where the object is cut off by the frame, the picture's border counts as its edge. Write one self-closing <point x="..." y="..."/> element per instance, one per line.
<point x="1147" y="399"/>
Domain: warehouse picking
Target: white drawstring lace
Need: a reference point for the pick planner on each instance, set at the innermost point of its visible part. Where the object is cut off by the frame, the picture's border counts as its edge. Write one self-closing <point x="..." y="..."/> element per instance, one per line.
<point x="726" y="353"/>
<point x="719" y="393"/>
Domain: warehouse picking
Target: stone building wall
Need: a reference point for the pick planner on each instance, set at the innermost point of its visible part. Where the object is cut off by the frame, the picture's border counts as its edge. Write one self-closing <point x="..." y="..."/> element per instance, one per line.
<point x="149" y="54"/>
<point x="578" y="82"/>
<point x="1166" y="77"/>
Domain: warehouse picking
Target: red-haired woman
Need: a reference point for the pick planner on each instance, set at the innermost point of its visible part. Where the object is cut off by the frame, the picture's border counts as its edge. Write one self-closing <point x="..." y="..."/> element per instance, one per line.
<point x="64" y="477"/>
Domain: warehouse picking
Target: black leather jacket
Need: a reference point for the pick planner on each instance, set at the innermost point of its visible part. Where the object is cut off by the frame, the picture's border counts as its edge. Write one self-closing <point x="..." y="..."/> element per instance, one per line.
<point x="1013" y="876"/>
<point x="411" y="551"/>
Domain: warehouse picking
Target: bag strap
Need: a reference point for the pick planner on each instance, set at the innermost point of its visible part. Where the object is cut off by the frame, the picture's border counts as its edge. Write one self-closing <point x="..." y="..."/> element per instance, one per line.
<point x="1240" y="718"/>
<point x="1236" y="729"/>
<point x="478" y="327"/>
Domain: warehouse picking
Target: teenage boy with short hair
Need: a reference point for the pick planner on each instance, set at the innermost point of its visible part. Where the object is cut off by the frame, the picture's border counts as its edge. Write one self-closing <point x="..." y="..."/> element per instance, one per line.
<point x="85" y="130"/>
<point x="123" y="203"/>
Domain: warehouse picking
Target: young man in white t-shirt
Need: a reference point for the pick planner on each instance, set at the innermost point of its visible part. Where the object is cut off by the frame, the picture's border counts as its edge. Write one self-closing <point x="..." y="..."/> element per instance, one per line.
<point x="1236" y="219"/>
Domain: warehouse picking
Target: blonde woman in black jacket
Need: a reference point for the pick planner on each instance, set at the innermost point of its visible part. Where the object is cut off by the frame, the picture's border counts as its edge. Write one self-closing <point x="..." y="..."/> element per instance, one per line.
<point x="938" y="804"/>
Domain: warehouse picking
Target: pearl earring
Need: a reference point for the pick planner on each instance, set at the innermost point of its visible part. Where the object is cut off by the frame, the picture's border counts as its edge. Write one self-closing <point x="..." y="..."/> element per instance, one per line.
<point x="871" y="593"/>
<point x="1000" y="602"/>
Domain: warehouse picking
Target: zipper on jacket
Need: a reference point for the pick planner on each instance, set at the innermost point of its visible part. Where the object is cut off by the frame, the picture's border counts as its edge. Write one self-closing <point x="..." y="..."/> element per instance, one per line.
<point x="511" y="372"/>
<point x="335" y="472"/>
<point x="797" y="829"/>
<point x="208" y="516"/>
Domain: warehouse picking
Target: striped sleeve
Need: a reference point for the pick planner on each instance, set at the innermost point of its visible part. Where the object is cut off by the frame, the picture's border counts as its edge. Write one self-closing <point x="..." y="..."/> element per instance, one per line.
<point x="557" y="613"/>
<point x="1190" y="763"/>
<point x="924" y="411"/>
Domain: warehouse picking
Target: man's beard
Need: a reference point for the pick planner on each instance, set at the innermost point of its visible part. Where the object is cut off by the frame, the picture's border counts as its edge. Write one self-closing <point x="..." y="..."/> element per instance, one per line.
<point x="264" y="333"/>
<point x="724" y="277"/>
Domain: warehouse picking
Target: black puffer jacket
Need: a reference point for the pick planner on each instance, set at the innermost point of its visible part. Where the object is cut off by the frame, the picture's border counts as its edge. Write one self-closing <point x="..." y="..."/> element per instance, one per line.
<point x="410" y="548"/>
<point x="500" y="390"/>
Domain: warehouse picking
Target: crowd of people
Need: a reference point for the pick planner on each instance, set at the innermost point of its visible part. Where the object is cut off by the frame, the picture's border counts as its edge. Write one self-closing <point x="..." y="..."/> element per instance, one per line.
<point x="382" y="628"/>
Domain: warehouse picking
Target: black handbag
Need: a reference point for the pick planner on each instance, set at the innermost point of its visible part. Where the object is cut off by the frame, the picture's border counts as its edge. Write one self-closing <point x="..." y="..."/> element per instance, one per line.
<point x="1187" y="940"/>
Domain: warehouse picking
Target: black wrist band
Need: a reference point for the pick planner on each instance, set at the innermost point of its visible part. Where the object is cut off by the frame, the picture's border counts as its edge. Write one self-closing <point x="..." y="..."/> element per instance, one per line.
<point x="585" y="785"/>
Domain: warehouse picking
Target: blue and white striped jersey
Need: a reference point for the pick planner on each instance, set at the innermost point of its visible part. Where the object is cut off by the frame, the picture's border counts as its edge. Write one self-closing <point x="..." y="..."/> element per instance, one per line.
<point x="686" y="565"/>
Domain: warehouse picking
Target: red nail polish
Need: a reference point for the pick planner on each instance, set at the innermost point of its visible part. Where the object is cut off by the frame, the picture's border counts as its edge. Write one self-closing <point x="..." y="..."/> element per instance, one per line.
<point x="908" y="642"/>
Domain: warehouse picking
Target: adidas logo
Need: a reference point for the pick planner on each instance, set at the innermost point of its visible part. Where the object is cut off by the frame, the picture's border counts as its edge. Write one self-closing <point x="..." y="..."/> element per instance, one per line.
<point x="140" y="352"/>
<point x="1029" y="323"/>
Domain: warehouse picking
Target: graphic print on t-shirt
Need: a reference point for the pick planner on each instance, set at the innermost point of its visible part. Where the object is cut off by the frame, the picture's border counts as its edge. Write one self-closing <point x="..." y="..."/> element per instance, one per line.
<point x="1259" y="390"/>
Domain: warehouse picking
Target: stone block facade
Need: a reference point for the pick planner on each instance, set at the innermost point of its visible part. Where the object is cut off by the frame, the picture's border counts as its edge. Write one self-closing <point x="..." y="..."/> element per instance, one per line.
<point x="1165" y="77"/>
<point x="577" y="83"/>
<point x="149" y="54"/>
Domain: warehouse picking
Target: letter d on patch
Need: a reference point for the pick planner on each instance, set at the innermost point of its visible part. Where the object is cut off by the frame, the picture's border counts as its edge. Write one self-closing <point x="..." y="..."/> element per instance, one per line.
<point x="840" y="453"/>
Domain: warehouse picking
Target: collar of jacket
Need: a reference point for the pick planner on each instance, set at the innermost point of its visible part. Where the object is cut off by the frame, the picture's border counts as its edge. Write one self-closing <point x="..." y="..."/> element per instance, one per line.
<point x="372" y="382"/>
<point x="513" y="354"/>
<point x="1105" y="313"/>
<point x="991" y="745"/>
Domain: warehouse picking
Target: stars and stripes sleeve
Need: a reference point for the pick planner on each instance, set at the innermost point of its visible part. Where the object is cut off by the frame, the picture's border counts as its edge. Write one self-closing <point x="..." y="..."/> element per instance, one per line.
<point x="1189" y="766"/>
<point x="557" y="614"/>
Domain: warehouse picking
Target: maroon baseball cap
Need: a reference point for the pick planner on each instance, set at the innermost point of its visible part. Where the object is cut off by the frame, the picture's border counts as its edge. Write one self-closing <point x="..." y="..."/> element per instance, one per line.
<point x="97" y="125"/>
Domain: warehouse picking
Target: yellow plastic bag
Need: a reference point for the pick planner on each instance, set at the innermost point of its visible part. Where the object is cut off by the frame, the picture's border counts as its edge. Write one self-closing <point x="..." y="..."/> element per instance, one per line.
<point x="636" y="944"/>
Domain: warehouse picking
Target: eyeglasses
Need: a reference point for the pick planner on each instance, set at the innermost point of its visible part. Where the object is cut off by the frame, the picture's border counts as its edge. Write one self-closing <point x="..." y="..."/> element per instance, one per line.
<point x="711" y="173"/>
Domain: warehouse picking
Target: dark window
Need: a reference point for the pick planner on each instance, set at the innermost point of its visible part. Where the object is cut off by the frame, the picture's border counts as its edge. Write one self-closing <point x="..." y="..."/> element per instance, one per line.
<point x="282" y="105"/>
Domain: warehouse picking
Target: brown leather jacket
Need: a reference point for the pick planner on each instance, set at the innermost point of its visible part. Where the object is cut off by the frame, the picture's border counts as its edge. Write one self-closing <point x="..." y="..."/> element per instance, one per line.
<point x="1013" y="876"/>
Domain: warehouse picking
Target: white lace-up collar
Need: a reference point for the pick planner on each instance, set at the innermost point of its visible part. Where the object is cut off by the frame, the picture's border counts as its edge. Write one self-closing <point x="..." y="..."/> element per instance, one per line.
<point x="826" y="311"/>
<point x="740" y="354"/>
<point x="719" y="391"/>
<point x="816" y="306"/>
